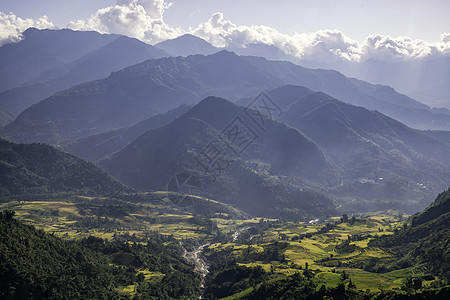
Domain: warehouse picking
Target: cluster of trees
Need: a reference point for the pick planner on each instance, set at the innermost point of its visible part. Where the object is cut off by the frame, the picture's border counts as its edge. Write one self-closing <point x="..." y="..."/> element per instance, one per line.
<point x="298" y="286"/>
<point x="234" y="279"/>
<point x="205" y="225"/>
<point x="227" y="257"/>
<point x="345" y="247"/>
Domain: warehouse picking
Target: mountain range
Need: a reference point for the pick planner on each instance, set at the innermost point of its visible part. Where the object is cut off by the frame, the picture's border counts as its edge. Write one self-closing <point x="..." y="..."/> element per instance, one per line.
<point x="154" y="86"/>
<point x="373" y="162"/>
<point x="189" y="44"/>
<point x="41" y="50"/>
<point x="353" y="91"/>
<point x="137" y="93"/>
<point x="422" y="79"/>
<point x="117" y="54"/>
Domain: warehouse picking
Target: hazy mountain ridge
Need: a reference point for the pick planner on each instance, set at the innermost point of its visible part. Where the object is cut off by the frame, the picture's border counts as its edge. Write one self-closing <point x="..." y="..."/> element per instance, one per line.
<point x="5" y="117"/>
<point x="99" y="145"/>
<point x="315" y="108"/>
<point x="41" y="50"/>
<point x="140" y="91"/>
<point x="137" y="93"/>
<point x="99" y="63"/>
<point x="424" y="79"/>
<point x="357" y="92"/>
<point x="189" y="44"/>
<point x="421" y="79"/>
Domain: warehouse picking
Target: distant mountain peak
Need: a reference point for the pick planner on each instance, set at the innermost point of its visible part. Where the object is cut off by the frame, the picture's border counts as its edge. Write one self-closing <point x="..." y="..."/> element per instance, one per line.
<point x="321" y="96"/>
<point x="212" y="100"/>
<point x="187" y="44"/>
<point x="41" y="50"/>
<point x="30" y="30"/>
<point x="224" y="54"/>
<point x="270" y="52"/>
<point x="188" y="36"/>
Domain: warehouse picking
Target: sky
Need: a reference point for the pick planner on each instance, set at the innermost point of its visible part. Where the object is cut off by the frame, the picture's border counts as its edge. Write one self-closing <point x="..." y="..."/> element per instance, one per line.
<point x="346" y="29"/>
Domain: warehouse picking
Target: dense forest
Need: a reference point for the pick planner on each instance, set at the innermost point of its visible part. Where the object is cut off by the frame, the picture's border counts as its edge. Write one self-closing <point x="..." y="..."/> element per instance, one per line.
<point x="39" y="265"/>
<point x="425" y="242"/>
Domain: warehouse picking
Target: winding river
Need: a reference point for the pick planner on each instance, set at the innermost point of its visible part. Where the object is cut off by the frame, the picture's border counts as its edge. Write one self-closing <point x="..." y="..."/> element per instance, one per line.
<point x="194" y="257"/>
<point x="201" y="266"/>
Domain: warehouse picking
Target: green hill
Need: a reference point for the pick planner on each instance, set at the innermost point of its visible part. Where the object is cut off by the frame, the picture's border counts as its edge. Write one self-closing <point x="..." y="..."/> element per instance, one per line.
<point x="424" y="244"/>
<point x="37" y="265"/>
<point x="40" y="168"/>
<point x="440" y="207"/>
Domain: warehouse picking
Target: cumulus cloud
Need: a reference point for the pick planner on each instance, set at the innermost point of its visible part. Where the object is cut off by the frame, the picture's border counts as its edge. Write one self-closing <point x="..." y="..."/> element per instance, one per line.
<point x="142" y="19"/>
<point x="445" y="38"/>
<point x="223" y="33"/>
<point x="444" y="45"/>
<point x="320" y="45"/>
<point x="401" y="48"/>
<point x="324" y="45"/>
<point x="12" y="26"/>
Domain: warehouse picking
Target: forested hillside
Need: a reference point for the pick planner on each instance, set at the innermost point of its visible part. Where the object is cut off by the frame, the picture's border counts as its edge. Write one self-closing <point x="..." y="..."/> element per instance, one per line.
<point x="38" y="265"/>
<point x="40" y="168"/>
<point x="425" y="243"/>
